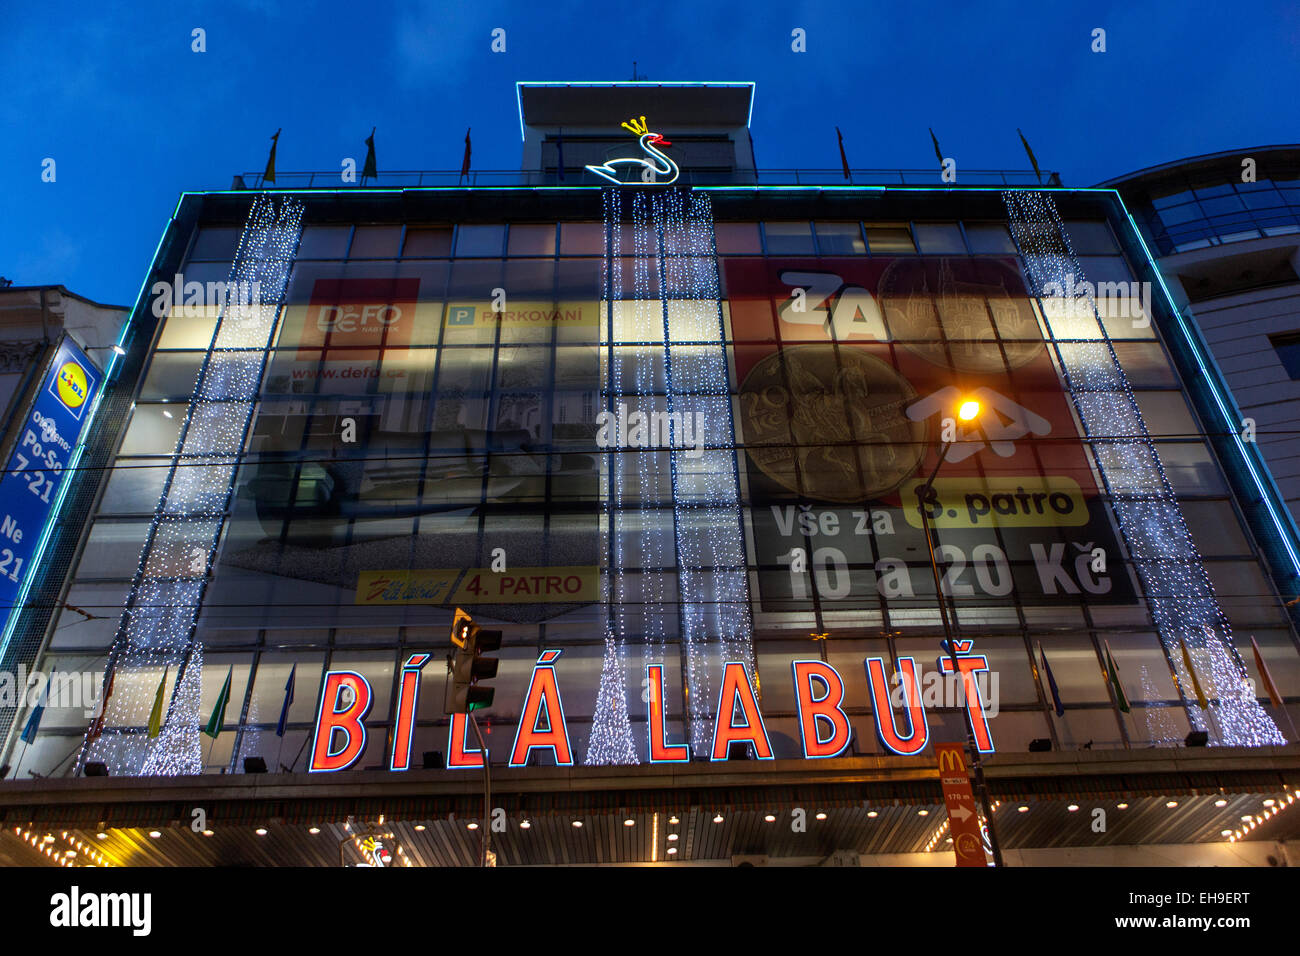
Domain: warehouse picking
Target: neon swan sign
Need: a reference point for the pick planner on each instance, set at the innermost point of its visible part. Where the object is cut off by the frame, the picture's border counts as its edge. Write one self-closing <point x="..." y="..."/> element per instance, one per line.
<point x="650" y="168"/>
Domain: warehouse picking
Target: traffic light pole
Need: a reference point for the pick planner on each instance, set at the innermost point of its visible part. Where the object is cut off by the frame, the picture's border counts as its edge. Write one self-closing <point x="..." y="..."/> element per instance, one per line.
<point x="487" y="789"/>
<point x="977" y="767"/>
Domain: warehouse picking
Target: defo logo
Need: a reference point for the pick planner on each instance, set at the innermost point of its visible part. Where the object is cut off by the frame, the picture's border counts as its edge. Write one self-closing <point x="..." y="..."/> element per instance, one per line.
<point x="357" y="318"/>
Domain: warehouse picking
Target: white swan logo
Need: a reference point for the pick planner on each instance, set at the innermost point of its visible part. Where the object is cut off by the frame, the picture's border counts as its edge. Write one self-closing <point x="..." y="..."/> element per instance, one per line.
<point x="651" y="169"/>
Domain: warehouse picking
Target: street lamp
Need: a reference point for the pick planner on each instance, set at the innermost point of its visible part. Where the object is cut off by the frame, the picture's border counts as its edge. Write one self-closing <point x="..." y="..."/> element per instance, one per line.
<point x="967" y="411"/>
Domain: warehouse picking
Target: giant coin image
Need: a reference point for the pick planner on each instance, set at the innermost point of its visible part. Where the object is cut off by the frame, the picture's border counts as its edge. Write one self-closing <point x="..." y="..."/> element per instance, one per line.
<point x="828" y="423"/>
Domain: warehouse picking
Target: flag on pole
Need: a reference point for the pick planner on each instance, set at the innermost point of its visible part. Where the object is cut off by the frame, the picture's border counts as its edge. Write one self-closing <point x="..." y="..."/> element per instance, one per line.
<point x="559" y="149"/>
<point x="219" y="709"/>
<point x="97" y="725"/>
<point x="938" y="153"/>
<point x="1196" y="684"/>
<point x="464" y="163"/>
<point x="269" y="175"/>
<point x="1273" y="696"/>
<point x="844" y="159"/>
<point x="155" y="715"/>
<point x="1051" y="682"/>
<point x="370" y="169"/>
<point x="288" y="699"/>
<point x="1112" y="674"/>
<point x="1032" y="161"/>
<point x="34" y="721"/>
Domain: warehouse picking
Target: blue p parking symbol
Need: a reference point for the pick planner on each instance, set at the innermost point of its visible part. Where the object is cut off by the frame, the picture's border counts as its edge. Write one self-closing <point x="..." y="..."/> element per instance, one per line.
<point x="461" y="315"/>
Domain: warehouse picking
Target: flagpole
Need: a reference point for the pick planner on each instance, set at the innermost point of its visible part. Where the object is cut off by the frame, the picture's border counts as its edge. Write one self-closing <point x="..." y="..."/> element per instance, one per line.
<point x="280" y="752"/>
<point x="19" y="764"/>
<point x="300" y="750"/>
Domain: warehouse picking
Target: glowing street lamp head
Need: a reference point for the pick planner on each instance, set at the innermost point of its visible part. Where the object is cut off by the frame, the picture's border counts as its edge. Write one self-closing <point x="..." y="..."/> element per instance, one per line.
<point x="968" y="410"/>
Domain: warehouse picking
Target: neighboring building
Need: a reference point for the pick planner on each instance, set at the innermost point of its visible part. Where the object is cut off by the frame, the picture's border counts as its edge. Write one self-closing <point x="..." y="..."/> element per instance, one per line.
<point x="31" y="320"/>
<point x="1225" y="229"/>
<point x="654" y="433"/>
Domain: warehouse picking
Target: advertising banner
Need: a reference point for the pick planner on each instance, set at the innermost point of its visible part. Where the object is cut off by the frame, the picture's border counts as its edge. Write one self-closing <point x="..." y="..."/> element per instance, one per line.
<point x="35" y="472"/>
<point x="847" y="369"/>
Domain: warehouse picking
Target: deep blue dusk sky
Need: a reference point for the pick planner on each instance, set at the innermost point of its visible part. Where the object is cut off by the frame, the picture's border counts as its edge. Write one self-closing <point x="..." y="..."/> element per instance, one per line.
<point x="132" y="117"/>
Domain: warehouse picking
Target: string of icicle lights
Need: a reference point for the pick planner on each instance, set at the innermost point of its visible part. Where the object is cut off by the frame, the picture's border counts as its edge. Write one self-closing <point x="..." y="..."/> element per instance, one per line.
<point x="1181" y="597"/>
<point x="158" y="623"/>
<point x="676" y="507"/>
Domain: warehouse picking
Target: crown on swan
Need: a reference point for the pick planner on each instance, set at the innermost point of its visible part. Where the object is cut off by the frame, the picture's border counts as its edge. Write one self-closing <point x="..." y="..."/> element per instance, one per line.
<point x="637" y="126"/>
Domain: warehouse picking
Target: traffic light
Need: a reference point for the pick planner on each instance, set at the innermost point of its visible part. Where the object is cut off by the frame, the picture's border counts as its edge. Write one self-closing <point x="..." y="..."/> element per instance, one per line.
<point x="467" y="666"/>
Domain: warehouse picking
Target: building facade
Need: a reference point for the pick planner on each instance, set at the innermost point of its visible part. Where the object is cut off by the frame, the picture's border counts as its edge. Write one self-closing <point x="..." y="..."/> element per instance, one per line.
<point x="674" y="443"/>
<point x="1225" y="229"/>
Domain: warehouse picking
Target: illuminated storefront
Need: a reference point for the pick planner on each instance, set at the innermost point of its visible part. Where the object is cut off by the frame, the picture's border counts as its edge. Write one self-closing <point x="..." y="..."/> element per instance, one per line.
<point x="676" y="436"/>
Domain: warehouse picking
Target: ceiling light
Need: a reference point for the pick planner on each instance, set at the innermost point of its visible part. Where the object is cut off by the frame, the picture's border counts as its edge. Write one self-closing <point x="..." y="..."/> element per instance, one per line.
<point x="314" y="830"/>
<point x="629" y="822"/>
<point x="101" y="835"/>
<point x="922" y="813"/>
<point x="672" y="849"/>
<point x="207" y="833"/>
<point x="1225" y="833"/>
<point x="577" y="824"/>
<point x="672" y="819"/>
<point x="118" y="350"/>
<point x="672" y="837"/>
<point x="260" y="831"/>
<point x="1171" y="804"/>
<point x="717" y="818"/>
<point x="1269" y="802"/>
<point x="1072" y="807"/>
<point x="524" y="824"/>
<point x="821" y="816"/>
<point x="1023" y="809"/>
<point x="471" y="826"/>
<point x="1121" y="806"/>
<point x="873" y="814"/>
<point x="1220" y="803"/>
<point x="419" y="828"/>
<point x="155" y="833"/>
<point x="770" y="818"/>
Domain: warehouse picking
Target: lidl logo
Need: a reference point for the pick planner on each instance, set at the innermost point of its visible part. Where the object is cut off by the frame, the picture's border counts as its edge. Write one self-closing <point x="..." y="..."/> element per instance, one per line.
<point x="71" y="385"/>
<point x="460" y="315"/>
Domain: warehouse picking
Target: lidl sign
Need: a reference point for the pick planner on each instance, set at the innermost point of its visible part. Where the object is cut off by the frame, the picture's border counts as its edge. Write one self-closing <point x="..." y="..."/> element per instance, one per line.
<point x="47" y="444"/>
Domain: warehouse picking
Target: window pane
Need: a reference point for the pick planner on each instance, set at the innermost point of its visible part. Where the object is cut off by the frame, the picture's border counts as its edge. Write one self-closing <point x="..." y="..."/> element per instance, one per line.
<point x="324" y="242"/>
<point x="172" y="375"/>
<point x="189" y="328"/>
<point x="885" y="238"/>
<point x="989" y="237"/>
<point x="530" y="240"/>
<point x="113" y="550"/>
<point x="738" y="238"/>
<point x="1091" y="238"/>
<point x="939" y="238"/>
<point x="480" y="241"/>
<point x="1215" y="528"/>
<point x="215" y="242"/>
<point x="154" y="430"/>
<point x="134" y="486"/>
<point x="840" y="239"/>
<point x="376" y="242"/>
<point x="427" y="243"/>
<point x="789" y="238"/>
<point x="582" y="239"/>
<point x="1166" y="414"/>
